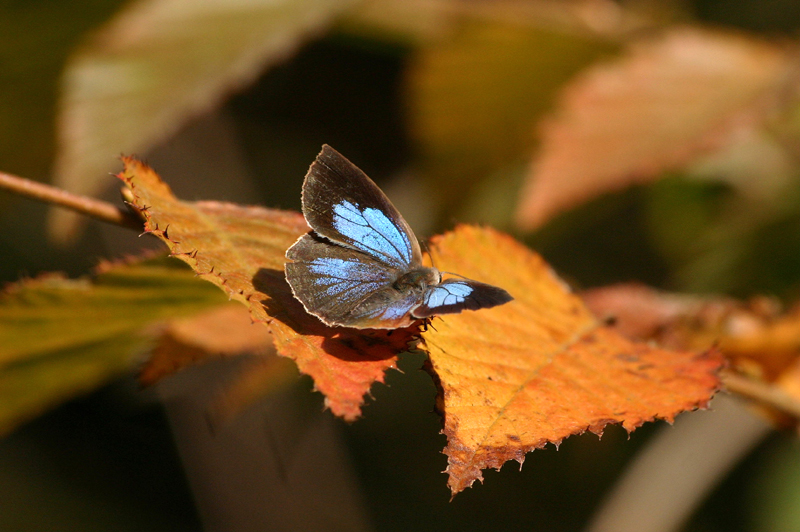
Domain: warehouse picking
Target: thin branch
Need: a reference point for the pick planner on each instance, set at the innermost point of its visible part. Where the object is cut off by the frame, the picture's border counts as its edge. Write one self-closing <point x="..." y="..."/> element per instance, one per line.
<point x="95" y="208"/>
<point x="762" y="392"/>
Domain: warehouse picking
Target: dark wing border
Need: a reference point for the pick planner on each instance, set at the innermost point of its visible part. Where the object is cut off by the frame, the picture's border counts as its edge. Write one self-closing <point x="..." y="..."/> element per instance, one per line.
<point x="482" y="296"/>
<point x="333" y="180"/>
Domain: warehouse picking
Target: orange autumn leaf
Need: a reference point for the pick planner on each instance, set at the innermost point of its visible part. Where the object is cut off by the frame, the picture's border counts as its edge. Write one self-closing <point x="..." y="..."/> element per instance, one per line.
<point x="772" y="341"/>
<point x="241" y="250"/>
<point x="541" y="368"/>
<point x="670" y="99"/>
<point x="762" y="343"/>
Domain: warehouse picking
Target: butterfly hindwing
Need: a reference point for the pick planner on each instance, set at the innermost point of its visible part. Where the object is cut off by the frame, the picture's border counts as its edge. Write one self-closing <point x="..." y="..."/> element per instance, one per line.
<point x="345" y="206"/>
<point x="454" y="295"/>
<point x="387" y="308"/>
<point x="343" y="287"/>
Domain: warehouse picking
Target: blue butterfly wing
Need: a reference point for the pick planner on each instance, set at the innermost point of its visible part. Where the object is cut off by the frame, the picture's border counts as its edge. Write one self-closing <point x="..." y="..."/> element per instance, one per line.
<point x="454" y="295"/>
<point x="345" y="288"/>
<point x="345" y="206"/>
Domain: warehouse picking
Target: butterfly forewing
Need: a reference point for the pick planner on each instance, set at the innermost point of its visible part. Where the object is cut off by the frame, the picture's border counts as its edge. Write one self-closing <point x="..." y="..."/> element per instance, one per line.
<point x="344" y="205"/>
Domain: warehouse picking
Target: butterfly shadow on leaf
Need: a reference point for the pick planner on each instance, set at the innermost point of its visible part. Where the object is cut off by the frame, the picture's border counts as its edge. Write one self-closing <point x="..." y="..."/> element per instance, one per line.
<point x="348" y="344"/>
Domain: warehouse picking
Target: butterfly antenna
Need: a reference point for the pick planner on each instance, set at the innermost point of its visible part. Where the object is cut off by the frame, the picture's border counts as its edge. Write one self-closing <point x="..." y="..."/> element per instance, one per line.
<point x="457" y="275"/>
<point x="428" y="251"/>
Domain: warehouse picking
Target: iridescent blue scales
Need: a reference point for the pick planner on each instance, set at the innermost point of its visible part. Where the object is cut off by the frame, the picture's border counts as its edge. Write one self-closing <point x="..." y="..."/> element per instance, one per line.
<point x="361" y="265"/>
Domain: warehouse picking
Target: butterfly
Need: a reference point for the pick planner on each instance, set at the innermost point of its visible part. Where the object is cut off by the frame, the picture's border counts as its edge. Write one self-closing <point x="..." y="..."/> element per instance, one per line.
<point x="361" y="265"/>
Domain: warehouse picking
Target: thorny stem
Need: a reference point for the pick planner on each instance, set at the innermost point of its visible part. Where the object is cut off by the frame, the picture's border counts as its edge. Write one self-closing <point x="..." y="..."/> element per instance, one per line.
<point x="95" y="208"/>
<point x="762" y="392"/>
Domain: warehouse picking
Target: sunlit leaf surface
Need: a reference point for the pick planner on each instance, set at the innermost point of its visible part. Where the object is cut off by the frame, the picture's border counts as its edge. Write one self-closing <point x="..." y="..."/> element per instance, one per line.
<point x="541" y="368"/>
<point x="761" y="341"/>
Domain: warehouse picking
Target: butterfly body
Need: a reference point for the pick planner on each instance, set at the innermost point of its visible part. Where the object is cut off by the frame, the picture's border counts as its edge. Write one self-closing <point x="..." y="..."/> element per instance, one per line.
<point x="361" y="265"/>
<point x="418" y="279"/>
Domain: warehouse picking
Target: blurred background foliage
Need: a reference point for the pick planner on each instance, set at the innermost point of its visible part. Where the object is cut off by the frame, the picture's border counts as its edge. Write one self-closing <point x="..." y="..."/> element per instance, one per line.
<point x="442" y="103"/>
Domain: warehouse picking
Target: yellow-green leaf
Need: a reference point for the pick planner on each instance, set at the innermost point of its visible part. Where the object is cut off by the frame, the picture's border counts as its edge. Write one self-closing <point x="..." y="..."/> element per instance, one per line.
<point x="159" y="63"/>
<point x="60" y="337"/>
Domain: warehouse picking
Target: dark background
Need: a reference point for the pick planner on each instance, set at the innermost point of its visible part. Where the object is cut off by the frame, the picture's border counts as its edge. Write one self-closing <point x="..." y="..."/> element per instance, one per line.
<point x="108" y="461"/>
